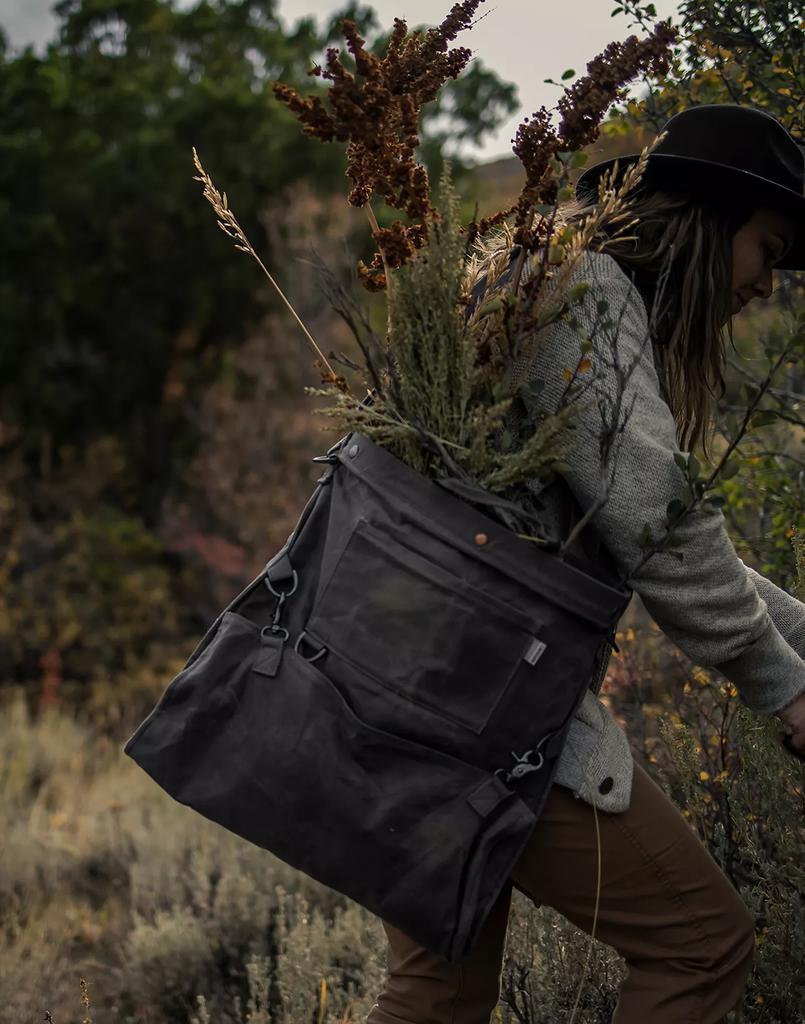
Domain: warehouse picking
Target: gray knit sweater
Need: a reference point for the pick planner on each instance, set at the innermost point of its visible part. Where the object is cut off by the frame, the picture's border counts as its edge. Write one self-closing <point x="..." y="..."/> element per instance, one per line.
<point x="718" y="611"/>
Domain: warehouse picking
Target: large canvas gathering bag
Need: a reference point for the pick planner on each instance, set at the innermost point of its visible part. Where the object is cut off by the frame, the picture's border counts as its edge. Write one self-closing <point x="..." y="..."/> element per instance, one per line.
<point x="384" y="705"/>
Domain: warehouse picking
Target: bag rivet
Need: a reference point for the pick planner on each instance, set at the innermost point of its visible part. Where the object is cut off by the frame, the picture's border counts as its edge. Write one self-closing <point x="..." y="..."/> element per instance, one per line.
<point x="481" y="538"/>
<point x="353" y="451"/>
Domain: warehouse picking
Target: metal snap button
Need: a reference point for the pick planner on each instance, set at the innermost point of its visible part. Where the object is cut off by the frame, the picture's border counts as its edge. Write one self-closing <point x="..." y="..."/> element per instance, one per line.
<point x="353" y="451"/>
<point x="606" y="785"/>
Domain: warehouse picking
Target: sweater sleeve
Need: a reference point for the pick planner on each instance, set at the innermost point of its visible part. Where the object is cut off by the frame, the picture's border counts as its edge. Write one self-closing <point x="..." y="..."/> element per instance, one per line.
<point x="788" y="613"/>
<point x="707" y="602"/>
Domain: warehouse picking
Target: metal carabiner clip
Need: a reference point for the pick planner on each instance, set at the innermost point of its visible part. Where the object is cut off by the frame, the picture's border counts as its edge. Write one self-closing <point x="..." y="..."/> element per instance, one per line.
<point x="523" y="765"/>
<point x="269" y="632"/>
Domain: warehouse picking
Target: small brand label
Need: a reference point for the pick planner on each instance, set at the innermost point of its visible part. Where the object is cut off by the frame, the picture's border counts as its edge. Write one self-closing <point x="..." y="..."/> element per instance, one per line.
<point x="534" y="651"/>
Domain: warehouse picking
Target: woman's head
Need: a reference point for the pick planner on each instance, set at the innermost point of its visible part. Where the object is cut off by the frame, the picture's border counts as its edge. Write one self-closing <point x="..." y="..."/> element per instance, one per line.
<point x="717" y="203"/>
<point x="718" y="254"/>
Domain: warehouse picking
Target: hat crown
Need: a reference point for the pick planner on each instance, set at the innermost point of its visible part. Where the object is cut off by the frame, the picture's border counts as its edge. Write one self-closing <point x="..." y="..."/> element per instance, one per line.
<point x="723" y="153"/>
<point x="743" y="138"/>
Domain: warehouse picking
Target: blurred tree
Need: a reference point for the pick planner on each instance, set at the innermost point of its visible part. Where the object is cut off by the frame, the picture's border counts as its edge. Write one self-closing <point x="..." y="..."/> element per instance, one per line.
<point x="113" y="280"/>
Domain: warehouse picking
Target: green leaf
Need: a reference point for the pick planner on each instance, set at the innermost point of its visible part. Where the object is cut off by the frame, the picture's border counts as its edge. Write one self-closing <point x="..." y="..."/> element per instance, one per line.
<point x="602" y="306"/>
<point x="693" y="467"/>
<point x="717" y="500"/>
<point x="586" y="346"/>
<point x="555" y="254"/>
<point x="645" y="539"/>
<point x="616" y="11"/>
<point x="730" y="469"/>
<point x="680" y="460"/>
<point x="493" y="306"/>
<point x="731" y="424"/>
<point x="579" y="159"/>
<point x="762" y="418"/>
<point x="578" y="291"/>
<point x="675" y="508"/>
<point x="568" y="74"/>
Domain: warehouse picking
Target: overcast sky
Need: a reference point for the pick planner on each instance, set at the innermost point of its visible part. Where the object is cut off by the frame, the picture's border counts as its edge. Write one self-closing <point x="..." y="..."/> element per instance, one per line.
<point x="524" y="41"/>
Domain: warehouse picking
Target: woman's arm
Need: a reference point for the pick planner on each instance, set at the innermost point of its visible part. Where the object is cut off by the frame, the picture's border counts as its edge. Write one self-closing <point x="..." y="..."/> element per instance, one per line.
<point x="787" y="613"/>
<point x="707" y="601"/>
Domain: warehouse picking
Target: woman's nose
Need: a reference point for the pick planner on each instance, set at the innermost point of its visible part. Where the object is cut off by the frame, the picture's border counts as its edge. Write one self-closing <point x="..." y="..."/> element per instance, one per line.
<point x="763" y="286"/>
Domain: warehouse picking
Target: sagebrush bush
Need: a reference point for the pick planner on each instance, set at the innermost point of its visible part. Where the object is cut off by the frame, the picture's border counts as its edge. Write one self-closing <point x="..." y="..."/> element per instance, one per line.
<point x="103" y="875"/>
<point x="545" y="962"/>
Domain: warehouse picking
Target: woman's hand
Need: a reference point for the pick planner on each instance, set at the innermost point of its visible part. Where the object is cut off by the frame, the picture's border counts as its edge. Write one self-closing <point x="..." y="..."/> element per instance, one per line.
<point x="793" y="715"/>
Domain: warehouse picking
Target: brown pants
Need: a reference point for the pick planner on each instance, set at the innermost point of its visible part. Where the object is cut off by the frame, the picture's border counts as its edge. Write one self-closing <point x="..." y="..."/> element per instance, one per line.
<point x="665" y="906"/>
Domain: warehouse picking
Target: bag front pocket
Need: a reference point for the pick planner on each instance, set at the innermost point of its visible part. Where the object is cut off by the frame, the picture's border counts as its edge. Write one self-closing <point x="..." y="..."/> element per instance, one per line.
<point x="418" y="629"/>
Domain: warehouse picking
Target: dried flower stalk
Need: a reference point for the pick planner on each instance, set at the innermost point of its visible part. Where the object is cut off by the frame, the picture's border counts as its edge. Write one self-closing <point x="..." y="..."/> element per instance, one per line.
<point x="228" y="223"/>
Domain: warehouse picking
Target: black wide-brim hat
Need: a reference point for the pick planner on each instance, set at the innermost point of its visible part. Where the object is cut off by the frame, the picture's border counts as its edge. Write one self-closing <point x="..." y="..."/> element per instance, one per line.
<point x="722" y="152"/>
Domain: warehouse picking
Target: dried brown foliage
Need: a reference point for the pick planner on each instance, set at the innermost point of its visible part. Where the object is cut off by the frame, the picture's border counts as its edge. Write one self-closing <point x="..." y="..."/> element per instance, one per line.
<point x="376" y="112"/>
<point x="583" y="107"/>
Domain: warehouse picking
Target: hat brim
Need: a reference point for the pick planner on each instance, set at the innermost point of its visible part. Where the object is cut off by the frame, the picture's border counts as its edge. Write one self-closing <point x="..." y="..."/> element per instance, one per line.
<point x="697" y="178"/>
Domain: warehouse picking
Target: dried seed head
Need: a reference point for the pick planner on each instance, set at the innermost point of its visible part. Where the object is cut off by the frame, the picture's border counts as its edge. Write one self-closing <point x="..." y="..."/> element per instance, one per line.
<point x="376" y="111"/>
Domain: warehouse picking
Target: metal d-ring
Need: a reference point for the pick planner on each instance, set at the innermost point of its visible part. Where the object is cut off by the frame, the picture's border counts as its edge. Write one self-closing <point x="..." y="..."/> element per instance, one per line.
<point x="283" y="593"/>
<point x="318" y="654"/>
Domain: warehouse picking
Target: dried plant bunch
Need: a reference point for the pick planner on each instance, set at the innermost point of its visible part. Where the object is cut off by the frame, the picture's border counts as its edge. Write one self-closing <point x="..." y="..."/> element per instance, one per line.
<point x="440" y="381"/>
<point x="376" y="112"/>
<point x="441" y="402"/>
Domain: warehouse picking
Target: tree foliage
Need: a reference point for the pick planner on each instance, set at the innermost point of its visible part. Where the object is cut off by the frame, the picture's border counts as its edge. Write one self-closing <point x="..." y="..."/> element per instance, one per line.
<point x="113" y="280"/>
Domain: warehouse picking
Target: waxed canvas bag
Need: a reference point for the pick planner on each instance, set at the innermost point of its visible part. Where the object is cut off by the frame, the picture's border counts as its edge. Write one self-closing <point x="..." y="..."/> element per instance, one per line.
<point x="384" y="706"/>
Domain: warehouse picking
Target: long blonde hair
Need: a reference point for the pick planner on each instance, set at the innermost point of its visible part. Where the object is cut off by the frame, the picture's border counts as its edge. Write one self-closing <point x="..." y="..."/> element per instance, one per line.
<point x="693" y="239"/>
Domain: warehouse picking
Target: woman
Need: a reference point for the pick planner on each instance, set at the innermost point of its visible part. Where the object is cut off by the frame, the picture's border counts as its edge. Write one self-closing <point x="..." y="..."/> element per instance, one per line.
<point x="720" y="204"/>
